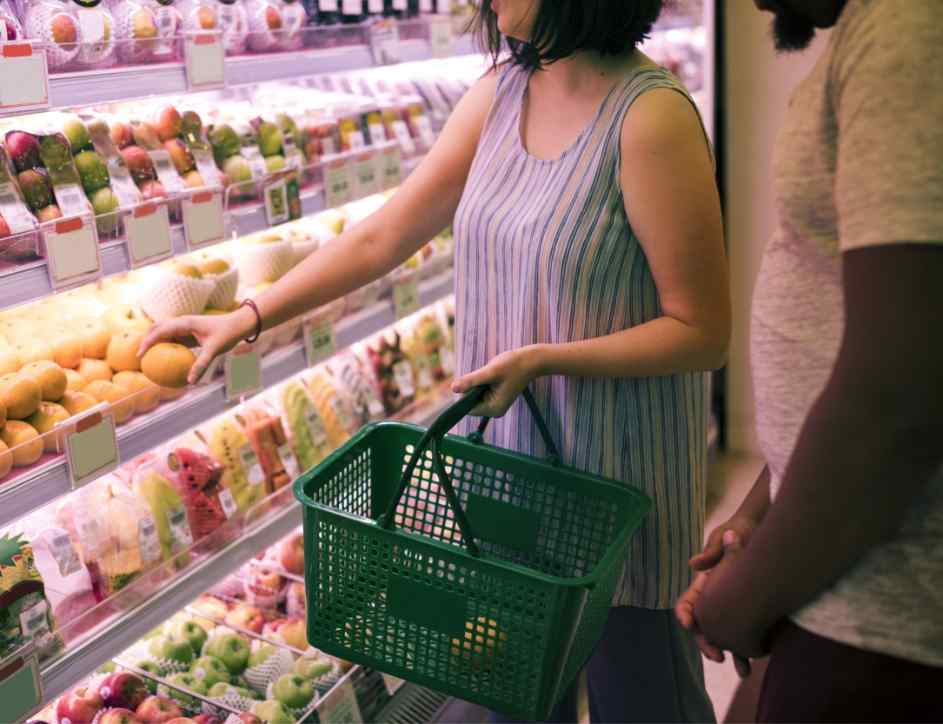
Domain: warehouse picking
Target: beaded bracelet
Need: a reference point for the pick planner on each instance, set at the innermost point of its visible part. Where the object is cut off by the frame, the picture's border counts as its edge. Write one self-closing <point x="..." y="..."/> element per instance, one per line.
<point x="258" y="320"/>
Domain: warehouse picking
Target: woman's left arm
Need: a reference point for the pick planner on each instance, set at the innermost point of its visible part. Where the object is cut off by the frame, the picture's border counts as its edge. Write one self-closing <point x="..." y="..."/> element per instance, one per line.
<point x="671" y="198"/>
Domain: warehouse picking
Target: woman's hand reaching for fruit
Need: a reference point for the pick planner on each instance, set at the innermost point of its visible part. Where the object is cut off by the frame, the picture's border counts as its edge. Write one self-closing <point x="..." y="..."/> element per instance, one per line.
<point x="506" y="376"/>
<point x="215" y="335"/>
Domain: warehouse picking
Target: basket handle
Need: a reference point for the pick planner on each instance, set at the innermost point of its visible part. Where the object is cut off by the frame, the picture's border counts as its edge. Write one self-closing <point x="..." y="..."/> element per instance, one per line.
<point x="553" y="455"/>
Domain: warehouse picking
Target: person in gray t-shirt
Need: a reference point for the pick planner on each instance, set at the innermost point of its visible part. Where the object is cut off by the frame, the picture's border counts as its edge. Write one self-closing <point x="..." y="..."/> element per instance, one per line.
<point x="841" y="575"/>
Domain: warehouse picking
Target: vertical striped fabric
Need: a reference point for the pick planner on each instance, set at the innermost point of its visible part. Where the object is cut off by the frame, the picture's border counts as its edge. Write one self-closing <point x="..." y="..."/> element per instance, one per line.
<point x="545" y="254"/>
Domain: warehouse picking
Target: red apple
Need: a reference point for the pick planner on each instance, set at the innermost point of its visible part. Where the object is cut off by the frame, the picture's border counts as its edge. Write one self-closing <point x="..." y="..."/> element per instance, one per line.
<point x="139" y="164"/>
<point x="122" y="689"/>
<point x="23" y="149"/>
<point x="169" y="124"/>
<point x="291" y="554"/>
<point x="158" y="710"/>
<point x="121" y="134"/>
<point x="79" y="706"/>
<point x="247" y="617"/>
<point x="4" y="228"/>
<point x="117" y="716"/>
<point x="10" y="28"/>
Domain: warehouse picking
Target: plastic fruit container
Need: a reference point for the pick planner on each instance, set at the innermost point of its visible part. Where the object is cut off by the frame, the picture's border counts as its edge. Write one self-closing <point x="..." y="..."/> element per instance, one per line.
<point x="265" y="22"/>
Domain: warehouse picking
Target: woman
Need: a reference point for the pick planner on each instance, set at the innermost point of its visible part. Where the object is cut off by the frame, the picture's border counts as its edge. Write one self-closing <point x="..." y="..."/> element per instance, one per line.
<point x="590" y="265"/>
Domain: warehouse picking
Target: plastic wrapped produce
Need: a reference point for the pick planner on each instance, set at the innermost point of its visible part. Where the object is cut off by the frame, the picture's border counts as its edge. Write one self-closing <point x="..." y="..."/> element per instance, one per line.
<point x="358" y="385"/>
<point x="68" y="585"/>
<point x="197" y="479"/>
<point x="196" y="15"/>
<point x="17" y="225"/>
<point x="167" y="508"/>
<point x="242" y="473"/>
<point x="266" y="23"/>
<point x="294" y="20"/>
<point x="334" y="408"/>
<point x="25" y="614"/>
<point x="308" y="435"/>
<point x="56" y="24"/>
<point x="136" y="30"/>
<point x="394" y="373"/>
<point x="97" y="49"/>
<point x="10" y="27"/>
<point x="231" y="16"/>
<point x="171" y="24"/>
<point x="270" y="444"/>
<point x="93" y="176"/>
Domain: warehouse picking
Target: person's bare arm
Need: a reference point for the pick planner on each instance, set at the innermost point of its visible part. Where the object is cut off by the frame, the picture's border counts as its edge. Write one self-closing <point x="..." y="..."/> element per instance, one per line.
<point x="424" y="205"/>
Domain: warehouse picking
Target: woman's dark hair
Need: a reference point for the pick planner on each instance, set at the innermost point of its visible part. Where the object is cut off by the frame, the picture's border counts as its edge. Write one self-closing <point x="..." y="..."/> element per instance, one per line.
<point x="564" y="27"/>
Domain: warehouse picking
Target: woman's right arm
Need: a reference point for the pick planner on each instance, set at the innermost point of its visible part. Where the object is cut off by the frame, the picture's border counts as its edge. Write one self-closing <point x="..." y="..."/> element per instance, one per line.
<point x="424" y="205"/>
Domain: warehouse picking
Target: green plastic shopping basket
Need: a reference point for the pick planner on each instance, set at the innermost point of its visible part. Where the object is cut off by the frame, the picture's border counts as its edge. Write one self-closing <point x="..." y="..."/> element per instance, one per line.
<point x="480" y="572"/>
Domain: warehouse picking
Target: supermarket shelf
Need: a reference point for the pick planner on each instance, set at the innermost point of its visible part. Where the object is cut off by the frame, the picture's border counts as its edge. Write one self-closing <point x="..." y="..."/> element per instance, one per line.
<point x="88" y="655"/>
<point x="21" y="496"/>
<point x="68" y="90"/>
<point x="31" y="281"/>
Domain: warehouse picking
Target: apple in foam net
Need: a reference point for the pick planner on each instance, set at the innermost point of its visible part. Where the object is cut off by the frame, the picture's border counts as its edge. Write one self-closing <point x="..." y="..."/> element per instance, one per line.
<point x="231" y="649"/>
<point x="210" y="670"/>
<point x="118" y="716"/>
<point x="123" y="690"/>
<point x="247" y="617"/>
<point x="158" y="710"/>
<point x="79" y="706"/>
<point x="291" y="554"/>
<point x="294" y="691"/>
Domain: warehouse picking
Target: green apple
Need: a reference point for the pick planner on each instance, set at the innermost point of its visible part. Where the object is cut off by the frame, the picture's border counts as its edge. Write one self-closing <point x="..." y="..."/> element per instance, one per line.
<point x="192" y="632"/>
<point x="220" y="689"/>
<point x="188" y="681"/>
<point x="274" y="163"/>
<point x="270" y="139"/>
<point x="151" y="668"/>
<point x="172" y="648"/>
<point x="154" y="633"/>
<point x="231" y="649"/>
<point x="294" y="691"/>
<point x="273" y="712"/>
<point x="313" y="667"/>
<point x="210" y="670"/>
<point x="261" y="655"/>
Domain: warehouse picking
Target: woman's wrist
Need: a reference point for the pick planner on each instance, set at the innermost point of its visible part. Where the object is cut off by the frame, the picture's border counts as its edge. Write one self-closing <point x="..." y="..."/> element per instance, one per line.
<point x="246" y="322"/>
<point x="538" y="360"/>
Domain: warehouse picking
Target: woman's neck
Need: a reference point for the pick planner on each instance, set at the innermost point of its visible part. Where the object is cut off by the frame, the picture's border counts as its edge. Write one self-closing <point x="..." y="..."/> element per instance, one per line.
<point x="586" y="70"/>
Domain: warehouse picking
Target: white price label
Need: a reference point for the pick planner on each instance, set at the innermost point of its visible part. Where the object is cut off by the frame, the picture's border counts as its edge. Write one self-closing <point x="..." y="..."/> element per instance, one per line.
<point x="352" y="7"/>
<point x="328" y="6"/>
<point x="65" y="555"/>
<point x="340" y="706"/>
<point x="276" y="202"/>
<point x="148" y="230"/>
<point x="204" y="60"/>
<point x="92" y="23"/>
<point x="390" y="168"/>
<point x="403" y="374"/>
<point x="166" y="172"/>
<point x="289" y="461"/>
<point x="203" y="222"/>
<point x="92" y="449"/>
<point x="400" y="4"/>
<point x="375" y="408"/>
<point x="375" y="6"/>
<point x="342" y="413"/>
<point x="426" y="6"/>
<point x="365" y="173"/>
<point x="180" y="527"/>
<point x="384" y="42"/>
<point x="14" y="211"/>
<point x="250" y="463"/>
<point x="404" y="137"/>
<point x="33" y="620"/>
<point x="337" y="183"/>
<point x="440" y="37"/>
<point x="319" y="341"/>
<point x="149" y="540"/>
<point x="316" y="428"/>
<point x="406" y="299"/>
<point x="243" y="374"/>
<point x="227" y="502"/>
<point x="71" y="199"/>
<point x="24" y="77"/>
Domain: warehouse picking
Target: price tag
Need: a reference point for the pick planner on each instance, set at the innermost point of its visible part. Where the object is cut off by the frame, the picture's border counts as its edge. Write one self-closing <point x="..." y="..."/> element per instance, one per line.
<point x="366" y="176"/>
<point x="180" y="527"/>
<point x="276" y="202"/>
<point x="389" y="167"/>
<point x="426" y="6"/>
<point x="375" y="408"/>
<point x="340" y="705"/>
<point x="227" y="502"/>
<point x="424" y="126"/>
<point x="342" y="413"/>
<point x="92" y="23"/>
<point x="352" y="7"/>
<point x="440" y="37"/>
<point x="72" y="251"/>
<point x="403" y="374"/>
<point x="148" y="230"/>
<point x="71" y="199"/>
<point x="203" y="57"/>
<point x="33" y="621"/>
<point x="392" y="683"/>
<point x="319" y="341"/>
<point x="250" y="462"/>
<point x="316" y="428"/>
<point x="203" y="222"/>
<point x="243" y="374"/>
<point x="21" y="689"/>
<point x="328" y="6"/>
<point x="384" y="42"/>
<point x="289" y="461"/>
<point x="148" y="540"/>
<point x="406" y="298"/>
<point x="337" y="183"/>
<point x="166" y="172"/>
<point x="65" y="555"/>
<point x="400" y="4"/>
<point x="92" y="449"/>
<point x="14" y="211"/>
<point x="447" y="360"/>
<point x="405" y="138"/>
<point x="257" y="166"/>
<point x="24" y="77"/>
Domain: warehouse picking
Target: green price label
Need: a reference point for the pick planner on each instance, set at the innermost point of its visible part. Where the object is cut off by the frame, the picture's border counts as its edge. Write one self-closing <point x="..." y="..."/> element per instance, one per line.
<point x="243" y="375"/>
<point x="92" y="450"/>
<point x="319" y="341"/>
<point x="406" y="298"/>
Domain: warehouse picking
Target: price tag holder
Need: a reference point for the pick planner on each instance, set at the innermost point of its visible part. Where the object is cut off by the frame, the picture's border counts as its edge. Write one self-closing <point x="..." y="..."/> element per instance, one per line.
<point x="243" y="374"/>
<point x="24" y="77"/>
<point x="340" y="706"/>
<point x="227" y="503"/>
<point x="390" y="167"/>
<point x="72" y="252"/>
<point x="384" y="42"/>
<point x="289" y="460"/>
<point x="204" y="60"/>
<point x="21" y="688"/>
<point x="92" y="448"/>
<point x="203" y="220"/>
<point x="320" y="343"/>
<point x="338" y="183"/>
<point x="440" y="37"/>
<point x="148" y="230"/>
<point x="406" y="298"/>
<point x="365" y="174"/>
<point x="276" y="201"/>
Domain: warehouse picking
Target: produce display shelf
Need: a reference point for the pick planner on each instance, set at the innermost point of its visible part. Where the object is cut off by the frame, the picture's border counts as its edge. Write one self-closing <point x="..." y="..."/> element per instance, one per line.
<point x="70" y="90"/>
<point x="30" y="282"/>
<point x="29" y="492"/>
<point x="89" y="653"/>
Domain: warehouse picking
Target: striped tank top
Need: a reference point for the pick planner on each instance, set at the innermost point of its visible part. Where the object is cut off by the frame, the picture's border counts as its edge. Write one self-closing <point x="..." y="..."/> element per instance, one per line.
<point x="546" y="254"/>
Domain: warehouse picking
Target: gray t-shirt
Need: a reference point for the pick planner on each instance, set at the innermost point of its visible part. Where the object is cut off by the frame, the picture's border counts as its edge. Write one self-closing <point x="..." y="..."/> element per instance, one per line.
<point x="859" y="163"/>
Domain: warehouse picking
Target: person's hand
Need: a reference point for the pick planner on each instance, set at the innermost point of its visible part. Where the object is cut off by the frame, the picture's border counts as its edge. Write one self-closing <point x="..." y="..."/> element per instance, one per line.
<point x="215" y="335"/>
<point x="742" y="525"/>
<point x="684" y="609"/>
<point x="506" y="375"/>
